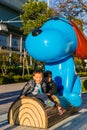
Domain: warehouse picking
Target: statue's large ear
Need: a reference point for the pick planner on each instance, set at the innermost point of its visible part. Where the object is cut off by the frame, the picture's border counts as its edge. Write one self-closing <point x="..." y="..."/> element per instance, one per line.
<point x="81" y="50"/>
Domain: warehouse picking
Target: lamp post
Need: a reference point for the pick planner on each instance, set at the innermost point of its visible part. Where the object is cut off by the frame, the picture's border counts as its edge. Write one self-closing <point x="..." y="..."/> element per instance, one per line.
<point x="48" y="3"/>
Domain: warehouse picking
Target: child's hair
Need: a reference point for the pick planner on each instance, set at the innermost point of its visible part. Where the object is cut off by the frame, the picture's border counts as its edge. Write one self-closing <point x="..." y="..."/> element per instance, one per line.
<point x="37" y="71"/>
<point x="47" y="73"/>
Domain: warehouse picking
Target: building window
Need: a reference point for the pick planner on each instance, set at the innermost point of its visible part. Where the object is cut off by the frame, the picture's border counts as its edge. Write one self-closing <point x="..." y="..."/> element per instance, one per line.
<point x="15" y="43"/>
<point x="23" y="45"/>
<point x="4" y="41"/>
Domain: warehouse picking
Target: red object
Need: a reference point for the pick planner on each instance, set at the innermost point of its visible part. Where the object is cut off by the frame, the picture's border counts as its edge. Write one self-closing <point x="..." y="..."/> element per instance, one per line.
<point x="81" y="50"/>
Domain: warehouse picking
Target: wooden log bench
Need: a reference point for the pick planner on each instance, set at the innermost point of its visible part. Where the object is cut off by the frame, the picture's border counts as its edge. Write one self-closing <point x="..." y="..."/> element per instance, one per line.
<point x="32" y="112"/>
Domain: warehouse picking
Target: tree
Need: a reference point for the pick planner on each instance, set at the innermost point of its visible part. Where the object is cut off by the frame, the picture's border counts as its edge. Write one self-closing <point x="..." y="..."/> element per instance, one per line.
<point x="75" y="10"/>
<point x="15" y="59"/>
<point x="72" y="9"/>
<point x="34" y="15"/>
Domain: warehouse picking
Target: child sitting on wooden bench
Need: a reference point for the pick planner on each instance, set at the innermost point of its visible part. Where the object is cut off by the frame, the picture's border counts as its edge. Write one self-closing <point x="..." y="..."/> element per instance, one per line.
<point x="33" y="88"/>
<point x="50" y="89"/>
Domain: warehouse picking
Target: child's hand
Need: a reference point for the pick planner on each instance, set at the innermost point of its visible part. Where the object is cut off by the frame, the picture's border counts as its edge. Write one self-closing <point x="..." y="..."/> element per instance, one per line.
<point x="48" y="94"/>
<point x="22" y="96"/>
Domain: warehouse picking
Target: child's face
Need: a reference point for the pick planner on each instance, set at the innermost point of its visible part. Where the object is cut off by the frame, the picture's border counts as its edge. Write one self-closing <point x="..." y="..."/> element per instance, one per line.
<point x="38" y="77"/>
<point x="48" y="79"/>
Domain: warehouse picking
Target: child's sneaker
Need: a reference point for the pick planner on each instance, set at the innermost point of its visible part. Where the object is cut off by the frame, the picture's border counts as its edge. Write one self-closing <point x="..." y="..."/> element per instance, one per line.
<point x="49" y="103"/>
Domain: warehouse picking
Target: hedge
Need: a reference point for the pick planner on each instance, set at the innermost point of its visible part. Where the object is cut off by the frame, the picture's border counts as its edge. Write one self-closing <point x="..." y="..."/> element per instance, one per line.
<point x="84" y="86"/>
<point x="82" y="74"/>
<point x="14" y="79"/>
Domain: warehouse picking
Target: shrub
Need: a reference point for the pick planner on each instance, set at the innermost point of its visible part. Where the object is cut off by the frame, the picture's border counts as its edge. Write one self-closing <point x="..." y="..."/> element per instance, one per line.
<point x="14" y="79"/>
<point x="84" y="86"/>
<point x="1" y="80"/>
<point x="8" y="79"/>
<point x="82" y="74"/>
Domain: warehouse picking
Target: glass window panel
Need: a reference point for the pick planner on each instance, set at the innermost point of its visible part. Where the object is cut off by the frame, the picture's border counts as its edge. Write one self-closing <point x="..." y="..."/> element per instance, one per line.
<point x="23" y="45"/>
<point x="15" y="43"/>
<point x="4" y="41"/>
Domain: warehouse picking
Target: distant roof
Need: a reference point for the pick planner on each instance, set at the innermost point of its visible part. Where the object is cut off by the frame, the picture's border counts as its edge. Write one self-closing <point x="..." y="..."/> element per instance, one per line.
<point x="14" y="4"/>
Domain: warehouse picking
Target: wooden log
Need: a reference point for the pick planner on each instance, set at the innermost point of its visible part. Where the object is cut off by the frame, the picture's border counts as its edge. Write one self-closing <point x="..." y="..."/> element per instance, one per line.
<point x="32" y="112"/>
<point x="28" y="112"/>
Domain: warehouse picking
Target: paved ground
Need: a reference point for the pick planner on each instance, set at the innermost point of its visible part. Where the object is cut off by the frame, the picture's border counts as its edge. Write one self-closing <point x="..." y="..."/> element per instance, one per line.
<point x="9" y="93"/>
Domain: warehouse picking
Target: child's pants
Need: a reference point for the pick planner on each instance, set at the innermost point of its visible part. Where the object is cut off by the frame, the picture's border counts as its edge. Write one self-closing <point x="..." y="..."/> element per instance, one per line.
<point x="41" y="96"/>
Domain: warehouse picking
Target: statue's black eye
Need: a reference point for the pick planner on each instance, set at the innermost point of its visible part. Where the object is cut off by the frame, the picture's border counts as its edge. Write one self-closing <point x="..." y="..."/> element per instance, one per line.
<point x="36" y="32"/>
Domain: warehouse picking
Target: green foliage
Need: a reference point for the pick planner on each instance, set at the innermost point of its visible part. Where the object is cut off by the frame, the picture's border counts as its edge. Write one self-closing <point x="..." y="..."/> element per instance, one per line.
<point x="14" y="79"/>
<point x="14" y="75"/>
<point x="84" y="86"/>
<point x="34" y="15"/>
<point x="77" y="61"/>
<point x="1" y="80"/>
<point x="72" y="9"/>
<point x="4" y="59"/>
<point x="16" y="70"/>
<point x="15" y="59"/>
<point x="82" y="74"/>
<point x="4" y="69"/>
<point x="6" y="79"/>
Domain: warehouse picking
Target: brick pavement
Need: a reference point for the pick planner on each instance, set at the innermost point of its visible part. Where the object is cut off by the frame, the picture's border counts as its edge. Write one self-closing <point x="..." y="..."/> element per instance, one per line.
<point x="9" y="93"/>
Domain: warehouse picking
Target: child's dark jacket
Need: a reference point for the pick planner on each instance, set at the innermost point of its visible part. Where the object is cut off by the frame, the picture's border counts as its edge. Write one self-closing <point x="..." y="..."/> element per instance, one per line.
<point x="29" y="87"/>
<point x="50" y="88"/>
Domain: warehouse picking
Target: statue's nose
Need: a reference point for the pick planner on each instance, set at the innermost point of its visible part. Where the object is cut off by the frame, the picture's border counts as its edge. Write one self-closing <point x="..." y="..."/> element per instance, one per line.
<point x="36" y="32"/>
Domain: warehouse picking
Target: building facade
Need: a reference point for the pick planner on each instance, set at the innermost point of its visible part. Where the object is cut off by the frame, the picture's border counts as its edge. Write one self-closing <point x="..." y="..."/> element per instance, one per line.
<point x="11" y="38"/>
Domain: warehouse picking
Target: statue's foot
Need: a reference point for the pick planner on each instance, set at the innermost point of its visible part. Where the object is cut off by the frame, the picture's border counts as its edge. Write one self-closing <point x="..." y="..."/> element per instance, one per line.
<point x="74" y="99"/>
